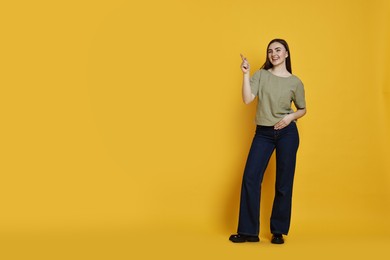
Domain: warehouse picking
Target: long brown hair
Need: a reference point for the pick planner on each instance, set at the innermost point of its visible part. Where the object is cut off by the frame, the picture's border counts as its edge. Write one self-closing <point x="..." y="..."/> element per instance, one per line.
<point x="268" y="65"/>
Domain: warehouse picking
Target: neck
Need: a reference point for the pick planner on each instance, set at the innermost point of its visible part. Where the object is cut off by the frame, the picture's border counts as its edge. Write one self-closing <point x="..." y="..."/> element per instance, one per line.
<point x="280" y="69"/>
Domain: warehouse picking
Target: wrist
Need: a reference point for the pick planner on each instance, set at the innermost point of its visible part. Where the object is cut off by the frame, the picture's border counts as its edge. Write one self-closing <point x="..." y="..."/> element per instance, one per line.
<point x="292" y="116"/>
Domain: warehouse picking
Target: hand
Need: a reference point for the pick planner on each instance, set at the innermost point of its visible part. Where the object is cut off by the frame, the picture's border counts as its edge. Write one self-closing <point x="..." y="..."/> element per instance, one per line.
<point x="245" y="67"/>
<point x="284" y="122"/>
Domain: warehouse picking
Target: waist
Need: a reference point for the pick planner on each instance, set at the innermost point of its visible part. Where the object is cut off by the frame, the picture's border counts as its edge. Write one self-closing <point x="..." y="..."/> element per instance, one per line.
<point x="271" y="127"/>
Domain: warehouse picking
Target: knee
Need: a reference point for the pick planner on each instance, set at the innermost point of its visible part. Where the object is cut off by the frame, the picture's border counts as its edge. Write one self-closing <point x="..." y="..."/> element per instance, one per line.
<point x="283" y="192"/>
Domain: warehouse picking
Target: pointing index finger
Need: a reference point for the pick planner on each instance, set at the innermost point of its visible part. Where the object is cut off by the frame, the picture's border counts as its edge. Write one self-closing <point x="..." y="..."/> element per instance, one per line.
<point x="242" y="57"/>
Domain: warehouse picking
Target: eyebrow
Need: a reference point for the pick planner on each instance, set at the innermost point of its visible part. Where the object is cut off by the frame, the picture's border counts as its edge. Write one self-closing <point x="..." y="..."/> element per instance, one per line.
<point x="275" y="48"/>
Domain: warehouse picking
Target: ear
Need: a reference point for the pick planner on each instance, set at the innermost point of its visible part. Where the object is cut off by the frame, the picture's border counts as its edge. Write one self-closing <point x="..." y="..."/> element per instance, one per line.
<point x="286" y="54"/>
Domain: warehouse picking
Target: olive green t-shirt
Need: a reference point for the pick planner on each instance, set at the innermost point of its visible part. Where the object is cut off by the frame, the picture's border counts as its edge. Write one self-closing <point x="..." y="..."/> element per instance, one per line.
<point x="275" y="96"/>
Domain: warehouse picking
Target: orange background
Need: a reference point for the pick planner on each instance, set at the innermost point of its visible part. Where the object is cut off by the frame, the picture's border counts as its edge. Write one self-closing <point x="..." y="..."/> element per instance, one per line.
<point x="122" y="119"/>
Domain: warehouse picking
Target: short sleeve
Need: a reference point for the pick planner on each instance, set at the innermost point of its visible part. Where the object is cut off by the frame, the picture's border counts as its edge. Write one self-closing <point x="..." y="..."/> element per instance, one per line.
<point x="299" y="96"/>
<point x="255" y="83"/>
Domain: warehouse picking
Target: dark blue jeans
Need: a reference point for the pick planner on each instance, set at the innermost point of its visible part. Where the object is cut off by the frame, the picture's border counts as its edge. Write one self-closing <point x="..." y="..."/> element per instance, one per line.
<point x="266" y="140"/>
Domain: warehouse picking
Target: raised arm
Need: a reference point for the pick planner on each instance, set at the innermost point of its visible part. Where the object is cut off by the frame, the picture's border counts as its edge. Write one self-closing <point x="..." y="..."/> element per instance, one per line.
<point x="247" y="95"/>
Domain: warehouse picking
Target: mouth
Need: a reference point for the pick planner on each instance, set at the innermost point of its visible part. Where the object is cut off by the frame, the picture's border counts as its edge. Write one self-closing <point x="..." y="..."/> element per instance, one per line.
<point x="275" y="59"/>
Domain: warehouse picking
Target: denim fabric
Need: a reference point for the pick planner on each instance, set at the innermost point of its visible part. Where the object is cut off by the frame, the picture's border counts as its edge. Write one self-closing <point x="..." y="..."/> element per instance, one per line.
<point x="266" y="140"/>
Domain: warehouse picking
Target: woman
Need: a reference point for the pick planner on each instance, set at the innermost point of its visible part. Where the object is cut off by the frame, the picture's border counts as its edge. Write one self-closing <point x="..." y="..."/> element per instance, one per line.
<point x="276" y="129"/>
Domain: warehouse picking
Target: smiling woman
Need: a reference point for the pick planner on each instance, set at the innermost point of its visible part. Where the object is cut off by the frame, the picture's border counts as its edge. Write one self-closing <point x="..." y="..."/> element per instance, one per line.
<point x="123" y="119"/>
<point x="276" y="130"/>
<point x="278" y="53"/>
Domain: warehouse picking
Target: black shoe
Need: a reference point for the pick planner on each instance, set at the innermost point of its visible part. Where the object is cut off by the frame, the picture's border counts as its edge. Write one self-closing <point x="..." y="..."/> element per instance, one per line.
<point x="277" y="239"/>
<point x="243" y="238"/>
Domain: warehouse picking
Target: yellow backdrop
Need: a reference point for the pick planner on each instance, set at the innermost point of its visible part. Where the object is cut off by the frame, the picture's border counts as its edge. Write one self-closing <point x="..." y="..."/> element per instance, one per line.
<point x="127" y="115"/>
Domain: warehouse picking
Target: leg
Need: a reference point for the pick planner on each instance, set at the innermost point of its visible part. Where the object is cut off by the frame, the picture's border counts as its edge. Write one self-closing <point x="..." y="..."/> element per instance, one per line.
<point x="258" y="158"/>
<point x="286" y="150"/>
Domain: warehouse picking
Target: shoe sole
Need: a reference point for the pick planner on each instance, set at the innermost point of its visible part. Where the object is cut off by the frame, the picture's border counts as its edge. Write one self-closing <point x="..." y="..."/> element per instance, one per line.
<point x="243" y="241"/>
<point x="277" y="242"/>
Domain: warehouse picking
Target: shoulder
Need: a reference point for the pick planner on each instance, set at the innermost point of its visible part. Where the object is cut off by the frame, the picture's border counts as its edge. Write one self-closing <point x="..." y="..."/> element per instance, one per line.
<point x="296" y="80"/>
<point x="263" y="71"/>
<point x="257" y="75"/>
<point x="258" y="72"/>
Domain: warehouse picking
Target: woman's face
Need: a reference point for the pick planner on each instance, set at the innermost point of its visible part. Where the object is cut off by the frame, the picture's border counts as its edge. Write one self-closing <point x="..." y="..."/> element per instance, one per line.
<point x="277" y="54"/>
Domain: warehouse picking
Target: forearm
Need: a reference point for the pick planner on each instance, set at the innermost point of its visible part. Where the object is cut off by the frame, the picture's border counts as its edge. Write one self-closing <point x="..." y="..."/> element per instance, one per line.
<point x="247" y="95"/>
<point x="298" y="114"/>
